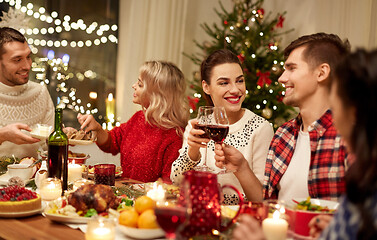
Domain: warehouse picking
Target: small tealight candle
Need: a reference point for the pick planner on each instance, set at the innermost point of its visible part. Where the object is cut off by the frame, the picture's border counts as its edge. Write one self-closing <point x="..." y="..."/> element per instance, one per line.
<point x="81" y="182"/>
<point x="74" y="171"/>
<point x="275" y="228"/>
<point x="157" y="193"/>
<point x="100" y="229"/>
<point x="51" y="189"/>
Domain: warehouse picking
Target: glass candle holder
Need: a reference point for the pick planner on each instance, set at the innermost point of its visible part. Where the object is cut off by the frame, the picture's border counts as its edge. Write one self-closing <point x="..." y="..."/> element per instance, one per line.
<point x="100" y="228"/>
<point x="81" y="182"/>
<point x="50" y="189"/>
<point x="104" y="174"/>
<point x="275" y="226"/>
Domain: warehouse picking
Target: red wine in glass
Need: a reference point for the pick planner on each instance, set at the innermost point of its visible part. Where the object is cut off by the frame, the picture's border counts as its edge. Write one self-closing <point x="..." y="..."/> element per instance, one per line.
<point x="202" y="127"/>
<point x="217" y="132"/>
<point x="170" y="218"/>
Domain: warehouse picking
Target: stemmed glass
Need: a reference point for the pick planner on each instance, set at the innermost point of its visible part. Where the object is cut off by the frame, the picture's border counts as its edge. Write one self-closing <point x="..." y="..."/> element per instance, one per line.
<point x="202" y="118"/>
<point x="214" y="121"/>
<point x="217" y="127"/>
<point x="173" y="214"/>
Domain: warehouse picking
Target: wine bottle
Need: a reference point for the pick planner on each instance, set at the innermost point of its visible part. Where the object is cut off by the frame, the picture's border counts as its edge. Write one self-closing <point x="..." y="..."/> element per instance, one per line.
<point x="58" y="151"/>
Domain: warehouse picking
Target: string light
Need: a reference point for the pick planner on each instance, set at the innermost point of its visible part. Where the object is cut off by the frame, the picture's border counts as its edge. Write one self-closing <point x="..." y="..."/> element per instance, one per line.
<point x="41" y="14"/>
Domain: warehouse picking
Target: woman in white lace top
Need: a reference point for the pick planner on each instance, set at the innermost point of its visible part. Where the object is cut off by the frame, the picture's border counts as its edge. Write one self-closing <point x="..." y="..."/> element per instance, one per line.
<point x="224" y="85"/>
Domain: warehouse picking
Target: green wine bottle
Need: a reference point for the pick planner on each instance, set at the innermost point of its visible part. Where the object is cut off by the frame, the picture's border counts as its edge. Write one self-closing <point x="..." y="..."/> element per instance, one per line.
<point x="57" y="164"/>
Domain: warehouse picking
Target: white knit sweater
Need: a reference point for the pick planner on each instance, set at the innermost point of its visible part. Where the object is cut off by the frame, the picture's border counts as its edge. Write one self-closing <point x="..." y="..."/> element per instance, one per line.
<point x="251" y="135"/>
<point x="30" y="104"/>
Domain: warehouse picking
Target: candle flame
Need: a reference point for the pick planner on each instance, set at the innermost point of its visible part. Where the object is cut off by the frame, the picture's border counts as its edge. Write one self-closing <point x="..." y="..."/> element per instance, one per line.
<point x="276" y="215"/>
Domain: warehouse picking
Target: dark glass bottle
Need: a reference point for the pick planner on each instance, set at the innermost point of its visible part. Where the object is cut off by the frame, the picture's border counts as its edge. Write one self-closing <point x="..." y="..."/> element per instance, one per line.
<point x="58" y="151"/>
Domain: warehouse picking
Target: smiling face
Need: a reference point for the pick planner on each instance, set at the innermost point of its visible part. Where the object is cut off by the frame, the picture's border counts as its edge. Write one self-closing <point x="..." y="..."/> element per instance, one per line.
<point x="299" y="79"/>
<point x="138" y="86"/>
<point x="15" y="63"/>
<point x="227" y="87"/>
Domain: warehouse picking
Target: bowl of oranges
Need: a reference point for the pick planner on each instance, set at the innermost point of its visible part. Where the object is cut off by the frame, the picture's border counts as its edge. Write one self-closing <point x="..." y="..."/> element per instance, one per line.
<point x="139" y="221"/>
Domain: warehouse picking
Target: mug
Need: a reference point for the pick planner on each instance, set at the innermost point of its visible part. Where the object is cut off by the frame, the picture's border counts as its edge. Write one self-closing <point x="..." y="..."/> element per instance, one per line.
<point x="205" y="198"/>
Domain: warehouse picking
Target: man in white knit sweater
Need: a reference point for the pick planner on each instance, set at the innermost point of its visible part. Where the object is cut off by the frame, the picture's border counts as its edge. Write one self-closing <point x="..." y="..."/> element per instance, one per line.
<point x="23" y="103"/>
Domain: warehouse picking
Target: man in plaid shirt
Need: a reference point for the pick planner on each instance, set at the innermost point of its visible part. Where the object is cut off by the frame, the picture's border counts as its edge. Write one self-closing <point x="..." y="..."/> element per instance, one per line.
<point x="306" y="156"/>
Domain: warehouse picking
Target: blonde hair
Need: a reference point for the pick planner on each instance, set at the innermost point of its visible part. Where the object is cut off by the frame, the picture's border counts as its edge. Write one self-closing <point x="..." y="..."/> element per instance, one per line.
<point x="164" y="100"/>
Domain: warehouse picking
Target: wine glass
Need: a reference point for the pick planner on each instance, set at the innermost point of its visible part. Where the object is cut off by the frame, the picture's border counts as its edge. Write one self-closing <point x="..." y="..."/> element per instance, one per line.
<point x="202" y="118"/>
<point x="217" y="127"/>
<point x="173" y="214"/>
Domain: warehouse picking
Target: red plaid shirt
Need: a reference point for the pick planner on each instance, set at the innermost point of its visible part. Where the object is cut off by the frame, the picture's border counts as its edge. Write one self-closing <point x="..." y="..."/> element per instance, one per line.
<point x="327" y="164"/>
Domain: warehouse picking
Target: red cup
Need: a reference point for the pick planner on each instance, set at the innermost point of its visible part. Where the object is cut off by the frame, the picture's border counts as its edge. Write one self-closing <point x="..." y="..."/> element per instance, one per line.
<point x="104" y="174"/>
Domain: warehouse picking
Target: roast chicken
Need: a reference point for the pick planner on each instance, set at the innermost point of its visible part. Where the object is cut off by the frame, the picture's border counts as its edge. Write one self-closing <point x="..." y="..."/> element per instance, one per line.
<point x="100" y="197"/>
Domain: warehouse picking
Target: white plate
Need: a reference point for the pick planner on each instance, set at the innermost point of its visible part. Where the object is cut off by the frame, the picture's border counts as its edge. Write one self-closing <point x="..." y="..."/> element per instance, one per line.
<point x="40" y="137"/>
<point x="5" y="177"/>
<point x="65" y="219"/>
<point x="20" y="214"/>
<point x="79" y="142"/>
<point x="139" y="233"/>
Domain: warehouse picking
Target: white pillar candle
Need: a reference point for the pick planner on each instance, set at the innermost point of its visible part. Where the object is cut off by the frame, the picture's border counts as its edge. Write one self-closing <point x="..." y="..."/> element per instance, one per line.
<point x="74" y="172"/>
<point x="275" y="228"/>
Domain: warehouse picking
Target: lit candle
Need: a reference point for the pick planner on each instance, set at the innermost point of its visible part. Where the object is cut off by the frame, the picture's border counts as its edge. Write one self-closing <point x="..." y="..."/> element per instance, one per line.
<point x="275" y="228"/>
<point x="100" y="229"/>
<point x="74" y="171"/>
<point x="51" y="189"/>
<point x="157" y="193"/>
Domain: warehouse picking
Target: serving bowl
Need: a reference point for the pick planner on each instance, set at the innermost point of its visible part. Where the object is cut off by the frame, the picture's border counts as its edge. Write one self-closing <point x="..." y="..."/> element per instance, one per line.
<point x="20" y="170"/>
<point x="299" y="219"/>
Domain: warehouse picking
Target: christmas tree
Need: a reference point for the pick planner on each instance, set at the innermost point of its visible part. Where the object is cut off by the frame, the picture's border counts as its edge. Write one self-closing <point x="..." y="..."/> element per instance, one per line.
<point x="254" y="37"/>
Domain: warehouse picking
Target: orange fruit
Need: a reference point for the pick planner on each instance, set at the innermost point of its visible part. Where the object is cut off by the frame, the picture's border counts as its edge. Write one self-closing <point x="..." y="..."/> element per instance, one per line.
<point x="144" y="203"/>
<point x="129" y="218"/>
<point x="147" y="220"/>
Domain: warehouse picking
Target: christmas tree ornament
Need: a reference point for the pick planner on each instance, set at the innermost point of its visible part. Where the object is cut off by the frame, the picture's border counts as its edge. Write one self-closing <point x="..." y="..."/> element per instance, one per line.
<point x="267" y="113"/>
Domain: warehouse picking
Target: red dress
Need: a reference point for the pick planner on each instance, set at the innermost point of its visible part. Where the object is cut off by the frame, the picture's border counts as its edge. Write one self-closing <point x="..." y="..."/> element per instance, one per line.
<point x="147" y="152"/>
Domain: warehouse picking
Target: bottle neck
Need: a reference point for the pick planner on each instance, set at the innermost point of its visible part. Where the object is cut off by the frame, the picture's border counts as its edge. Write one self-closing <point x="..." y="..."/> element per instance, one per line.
<point x="58" y="119"/>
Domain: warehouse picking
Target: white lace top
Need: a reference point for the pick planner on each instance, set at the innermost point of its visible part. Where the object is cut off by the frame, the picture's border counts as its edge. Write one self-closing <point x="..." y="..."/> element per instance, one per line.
<point x="251" y="135"/>
<point x="30" y="104"/>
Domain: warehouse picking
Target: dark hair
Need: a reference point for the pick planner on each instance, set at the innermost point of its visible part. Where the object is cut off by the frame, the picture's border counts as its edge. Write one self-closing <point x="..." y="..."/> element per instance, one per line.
<point x="320" y="48"/>
<point x="9" y="35"/>
<point x="356" y="78"/>
<point x="216" y="58"/>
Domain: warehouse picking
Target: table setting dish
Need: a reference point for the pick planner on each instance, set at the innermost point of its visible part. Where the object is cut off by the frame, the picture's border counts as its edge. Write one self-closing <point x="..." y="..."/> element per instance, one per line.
<point x="79" y="158"/>
<point x="41" y="131"/>
<point x="65" y="219"/>
<point x="139" y="233"/>
<point x="302" y="210"/>
<point x="79" y="142"/>
<point x="20" y="214"/>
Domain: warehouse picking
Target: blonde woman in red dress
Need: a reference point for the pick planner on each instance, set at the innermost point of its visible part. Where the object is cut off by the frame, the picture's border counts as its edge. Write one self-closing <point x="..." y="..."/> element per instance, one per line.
<point x="149" y="141"/>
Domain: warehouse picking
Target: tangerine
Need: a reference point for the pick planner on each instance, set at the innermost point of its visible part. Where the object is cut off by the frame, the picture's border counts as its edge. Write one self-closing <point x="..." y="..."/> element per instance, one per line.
<point x="129" y="218"/>
<point x="148" y="220"/>
<point x="144" y="203"/>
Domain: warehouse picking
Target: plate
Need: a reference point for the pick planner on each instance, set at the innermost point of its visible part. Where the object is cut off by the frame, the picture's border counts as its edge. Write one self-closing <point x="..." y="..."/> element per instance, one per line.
<point x="5" y="177"/>
<point x="20" y="214"/>
<point x="65" y="219"/>
<point x="41" y="131"/>
<point x="40" y="137"/>
<point x="119" y="174"/>
<point x="138" y="233"/>
<point x="79" y="142"/>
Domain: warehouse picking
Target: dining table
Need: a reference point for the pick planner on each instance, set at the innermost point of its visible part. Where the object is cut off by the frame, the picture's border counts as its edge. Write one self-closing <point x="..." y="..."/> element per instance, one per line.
<point x="38" y="227"/>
